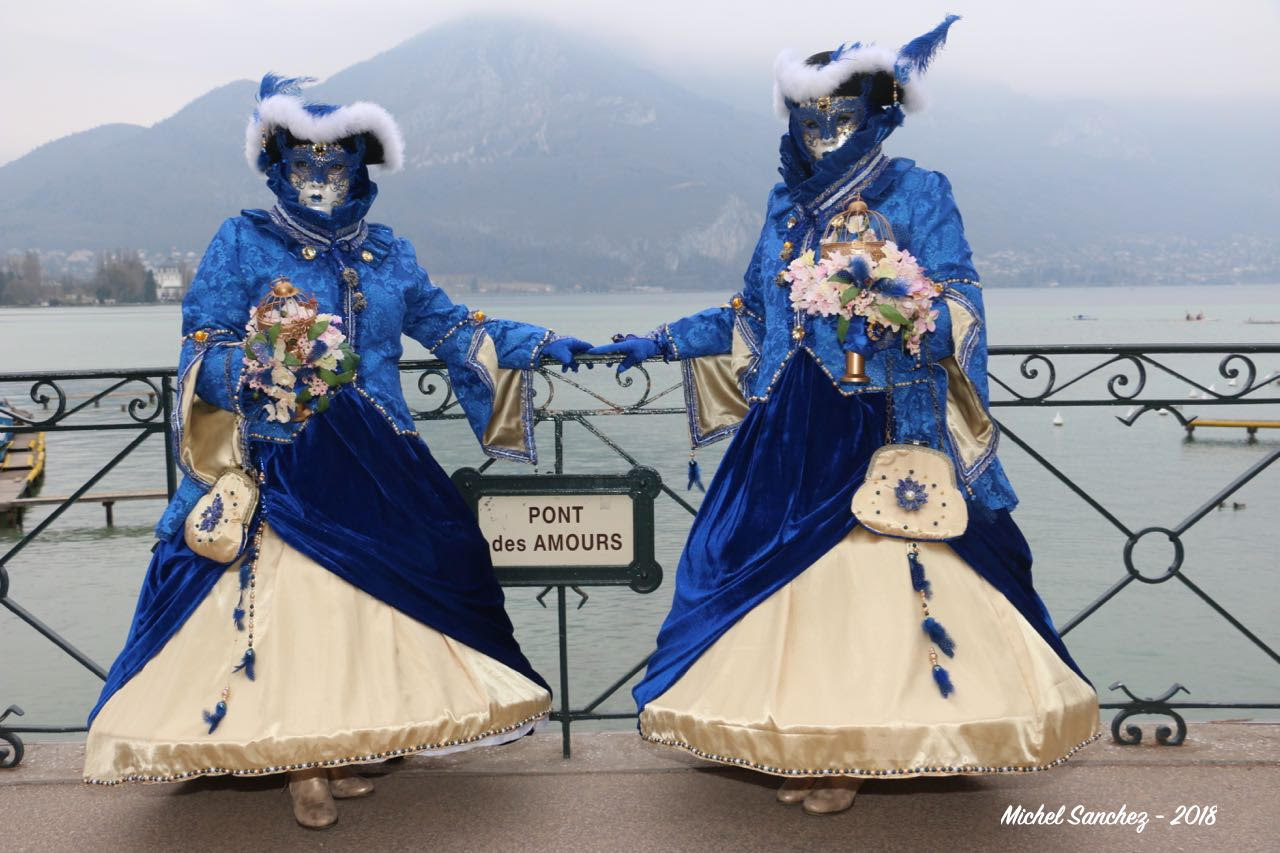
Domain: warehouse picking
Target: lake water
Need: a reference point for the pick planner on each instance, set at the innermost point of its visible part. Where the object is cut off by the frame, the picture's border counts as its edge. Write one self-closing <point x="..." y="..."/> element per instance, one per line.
<point x="81" y="578"/>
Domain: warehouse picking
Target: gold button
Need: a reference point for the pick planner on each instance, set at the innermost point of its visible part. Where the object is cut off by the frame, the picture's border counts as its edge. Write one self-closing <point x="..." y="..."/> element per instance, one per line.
<point x="736" y="302"/>
<point x="780" y="279"/>
<point x="309" y="252"/>
<point x="350" y="276"/>
<point x="201" y="336"/>
<point x="785" y="254"/>
<point x="366" y="256"/>
<point x="791" y="222"/>
<point x="797" y="333"/>
<point x="478" y="316"/>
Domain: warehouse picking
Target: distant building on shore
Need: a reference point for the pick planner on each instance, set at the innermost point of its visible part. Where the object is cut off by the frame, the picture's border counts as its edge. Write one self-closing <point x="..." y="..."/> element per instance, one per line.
<point x="168" y="284"/>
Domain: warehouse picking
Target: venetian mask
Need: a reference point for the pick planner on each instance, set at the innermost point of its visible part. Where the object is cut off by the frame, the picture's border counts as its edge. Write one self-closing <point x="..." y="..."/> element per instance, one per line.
<point x="321" y="173"/>
<point x="827" y="123"/>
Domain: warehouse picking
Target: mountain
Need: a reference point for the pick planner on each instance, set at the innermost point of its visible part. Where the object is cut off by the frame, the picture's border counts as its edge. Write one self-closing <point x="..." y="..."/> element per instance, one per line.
<point x="536" y="156"/>
<point x="530" y="156"/>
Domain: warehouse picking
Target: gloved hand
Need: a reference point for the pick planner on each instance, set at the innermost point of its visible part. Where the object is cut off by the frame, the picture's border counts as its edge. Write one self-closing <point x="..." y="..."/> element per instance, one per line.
<point x="564" y="350"/>
<point x="633" y="349"/>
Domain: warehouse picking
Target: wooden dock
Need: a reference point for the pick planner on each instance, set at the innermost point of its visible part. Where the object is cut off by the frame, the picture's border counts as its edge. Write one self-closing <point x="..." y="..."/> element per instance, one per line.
<point x="1251" y="427"/>
<point x="107" y="499"/>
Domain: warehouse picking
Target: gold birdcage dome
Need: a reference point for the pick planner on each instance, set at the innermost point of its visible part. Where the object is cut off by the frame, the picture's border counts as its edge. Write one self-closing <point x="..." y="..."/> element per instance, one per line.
<point x="295" y="309"/>
<point x="855" y="229"/>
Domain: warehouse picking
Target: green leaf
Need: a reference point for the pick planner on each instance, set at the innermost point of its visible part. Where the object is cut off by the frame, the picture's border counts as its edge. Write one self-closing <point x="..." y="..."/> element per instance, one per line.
<point x="291" y="360"/>
<point x="841" y="277"/>
<point x="842" y="328"/>
<point x="329" y="377"/>
<point x="893" y="315"/>
<point x="348" y="376"/>
<point x="317" y="329"/>
<point x="322" y="404"/>
<point x="849" y="295"/>
<point x="273" y="334"/>
<point x="304" y="396"/>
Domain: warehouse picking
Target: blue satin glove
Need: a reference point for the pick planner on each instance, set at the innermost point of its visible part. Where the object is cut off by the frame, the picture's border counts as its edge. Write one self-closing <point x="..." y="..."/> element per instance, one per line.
<point x="633" y="349"/>
<point x="564" y="350"/>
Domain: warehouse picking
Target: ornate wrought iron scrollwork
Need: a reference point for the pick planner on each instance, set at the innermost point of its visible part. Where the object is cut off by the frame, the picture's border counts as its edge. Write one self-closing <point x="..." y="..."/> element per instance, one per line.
<point x="37" y="395"/>
<point x="145" y="409"/>
<point x="429" y="389"/>
<point x="1149" y="707"/>
<point x="623" y="380"/>
<point x="12" y="756"/>
<point x="1231" y="373"/>
<point x="1028" y="370"/>
<point x="1119" y="380"/>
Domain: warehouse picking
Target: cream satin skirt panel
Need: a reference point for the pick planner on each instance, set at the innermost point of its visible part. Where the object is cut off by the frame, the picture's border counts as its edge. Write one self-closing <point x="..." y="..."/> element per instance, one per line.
<point x="341" y="678"/>
<point x="831" y="675"/>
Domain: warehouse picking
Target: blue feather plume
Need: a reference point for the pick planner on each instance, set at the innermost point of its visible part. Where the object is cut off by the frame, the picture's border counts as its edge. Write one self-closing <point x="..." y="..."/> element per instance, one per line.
<point x="943" y="679"/>
<point x="842" y="50"/>
<point x="246" y="664"/>
<point x="237" y="616"/>
<point x="274" y="84"/>
<point x="918" y="581"/>
<point x="915" y="55"/>
<point x="940" y="637"/>
<point x="215" y="717"/>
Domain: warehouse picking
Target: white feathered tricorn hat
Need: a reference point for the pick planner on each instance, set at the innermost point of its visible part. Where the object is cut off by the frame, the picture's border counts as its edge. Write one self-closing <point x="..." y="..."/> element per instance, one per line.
<point x="280" y="107"/>
<point x="796" y="80"/>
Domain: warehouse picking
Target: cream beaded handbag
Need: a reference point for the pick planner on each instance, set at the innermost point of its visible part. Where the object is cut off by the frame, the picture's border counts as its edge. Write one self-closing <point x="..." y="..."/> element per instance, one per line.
<point x="910" y="490"/>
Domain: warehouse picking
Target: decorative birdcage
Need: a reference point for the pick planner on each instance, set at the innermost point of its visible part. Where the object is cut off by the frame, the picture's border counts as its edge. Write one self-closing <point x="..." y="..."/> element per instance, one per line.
<point x="288" y="306"/>
<point x="856" y="230"/>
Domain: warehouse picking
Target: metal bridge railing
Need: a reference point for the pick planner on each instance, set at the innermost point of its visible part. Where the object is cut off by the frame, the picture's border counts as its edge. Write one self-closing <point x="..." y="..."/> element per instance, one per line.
<point x="1139" y="378"/>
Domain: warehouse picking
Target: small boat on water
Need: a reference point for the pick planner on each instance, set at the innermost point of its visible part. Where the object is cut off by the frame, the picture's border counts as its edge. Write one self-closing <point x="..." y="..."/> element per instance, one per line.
<point x="21" y="463"/>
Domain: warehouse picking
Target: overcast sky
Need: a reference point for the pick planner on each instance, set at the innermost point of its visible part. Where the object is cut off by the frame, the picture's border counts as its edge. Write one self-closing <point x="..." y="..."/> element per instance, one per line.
<point x="68" y="66"/>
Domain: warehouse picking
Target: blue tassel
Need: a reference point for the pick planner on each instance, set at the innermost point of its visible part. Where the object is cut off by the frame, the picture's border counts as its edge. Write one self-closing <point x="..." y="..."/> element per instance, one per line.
<point x="940" y="637"/>
<point x="695" y="477"/>
<point x="246" y="567"/>
<point x="918" y="581"/>
<point x="943" y="678"/>
<point x="246" y="663"/>
<point x="219" y="711"/>
<point x="237" y="616"/>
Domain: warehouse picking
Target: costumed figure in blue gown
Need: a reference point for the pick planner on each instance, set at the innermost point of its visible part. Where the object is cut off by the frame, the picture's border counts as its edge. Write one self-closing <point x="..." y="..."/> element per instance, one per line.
<point x="320" y="595"/>
<point x="802" y="641"/>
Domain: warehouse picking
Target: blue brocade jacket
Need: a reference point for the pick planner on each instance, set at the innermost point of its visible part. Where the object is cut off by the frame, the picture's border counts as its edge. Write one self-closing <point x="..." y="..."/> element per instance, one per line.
<point x="733" y="355"/>
<point x="370" y="278"/>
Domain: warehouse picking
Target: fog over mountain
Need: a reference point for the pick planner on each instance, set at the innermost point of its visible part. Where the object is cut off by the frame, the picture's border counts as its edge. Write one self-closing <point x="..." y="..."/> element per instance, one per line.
<point x="534" y="156"/>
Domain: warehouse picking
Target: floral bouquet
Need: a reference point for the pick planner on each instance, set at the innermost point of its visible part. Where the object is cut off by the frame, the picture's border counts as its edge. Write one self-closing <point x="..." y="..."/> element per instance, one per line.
<point x="871" y="288"/>
<point x="294" y="355"/>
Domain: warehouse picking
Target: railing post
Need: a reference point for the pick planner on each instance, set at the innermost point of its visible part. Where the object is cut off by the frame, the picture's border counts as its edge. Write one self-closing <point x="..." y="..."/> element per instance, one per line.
<point x="566" y="712"/>
<point x="170" y="463"/>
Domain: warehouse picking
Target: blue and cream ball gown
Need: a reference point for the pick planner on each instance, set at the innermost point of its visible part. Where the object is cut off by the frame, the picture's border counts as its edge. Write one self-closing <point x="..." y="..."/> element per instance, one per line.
<point x="795" y="643"/>
<point x="378" y="627"/>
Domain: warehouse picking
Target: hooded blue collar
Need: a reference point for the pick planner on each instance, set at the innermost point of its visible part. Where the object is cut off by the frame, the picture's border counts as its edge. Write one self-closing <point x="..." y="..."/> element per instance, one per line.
<point x="326" y="228"/>
<point x="811" y="182"/>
